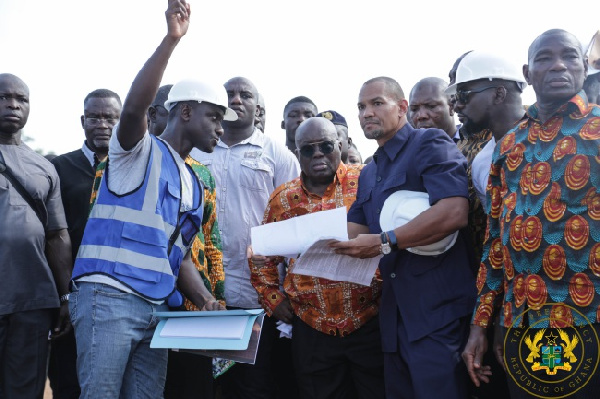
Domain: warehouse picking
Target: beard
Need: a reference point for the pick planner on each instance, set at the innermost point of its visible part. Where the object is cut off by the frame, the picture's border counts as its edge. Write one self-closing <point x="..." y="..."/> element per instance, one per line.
<point x="470" y="128"/>
<point x="374" y="134"/>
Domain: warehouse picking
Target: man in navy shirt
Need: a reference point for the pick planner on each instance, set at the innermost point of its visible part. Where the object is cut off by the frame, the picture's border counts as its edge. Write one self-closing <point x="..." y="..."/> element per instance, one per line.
<point x="426" y="299"/>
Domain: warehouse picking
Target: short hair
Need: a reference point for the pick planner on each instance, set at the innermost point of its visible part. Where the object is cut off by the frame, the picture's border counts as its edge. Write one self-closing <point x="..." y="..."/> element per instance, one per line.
<point x="299" y="99"/>
<point x="552" y="32"/>
<point x="161" y="95"/>
<point x="102" y="93"/>
<point x="434" y="82"/>
<point x="392" y="86"/>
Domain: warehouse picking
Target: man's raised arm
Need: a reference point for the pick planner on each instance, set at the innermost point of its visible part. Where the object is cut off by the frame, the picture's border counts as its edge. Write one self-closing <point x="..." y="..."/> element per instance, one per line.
<point x="133" y="122"/>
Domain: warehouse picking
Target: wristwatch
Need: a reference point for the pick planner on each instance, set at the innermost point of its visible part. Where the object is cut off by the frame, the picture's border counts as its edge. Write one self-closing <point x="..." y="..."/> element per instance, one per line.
<point x="385" y="245"/>
<point x="392" y="239"/>
<point x="64" y="298"/>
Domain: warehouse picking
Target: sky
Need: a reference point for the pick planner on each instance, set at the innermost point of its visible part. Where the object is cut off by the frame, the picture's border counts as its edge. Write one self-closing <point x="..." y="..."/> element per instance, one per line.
<point x="322" y="49"/>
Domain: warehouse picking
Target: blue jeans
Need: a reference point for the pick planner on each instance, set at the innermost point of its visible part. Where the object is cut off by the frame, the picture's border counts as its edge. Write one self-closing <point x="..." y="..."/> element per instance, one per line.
<point x="113" y="330"/>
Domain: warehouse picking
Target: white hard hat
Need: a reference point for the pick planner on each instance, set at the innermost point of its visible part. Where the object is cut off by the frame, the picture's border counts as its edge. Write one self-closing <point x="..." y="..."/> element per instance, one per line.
<point x="403" y="206"/>
<point x="593" y="53"/>
<point x="479" y="65"/>
<point x="194" y="90"/>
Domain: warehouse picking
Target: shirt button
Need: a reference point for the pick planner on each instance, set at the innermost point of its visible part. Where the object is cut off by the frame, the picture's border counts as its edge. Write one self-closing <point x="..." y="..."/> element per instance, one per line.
<point x="378" y="178"/>
<point x="393" y="275"/>
<point x="224" y="188"/>
<point x="377" y="211"/>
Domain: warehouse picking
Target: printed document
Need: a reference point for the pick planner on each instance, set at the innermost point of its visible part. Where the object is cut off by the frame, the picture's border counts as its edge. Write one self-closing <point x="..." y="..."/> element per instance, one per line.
<point x="321" y="261"/>
<point x="293" y="236"/>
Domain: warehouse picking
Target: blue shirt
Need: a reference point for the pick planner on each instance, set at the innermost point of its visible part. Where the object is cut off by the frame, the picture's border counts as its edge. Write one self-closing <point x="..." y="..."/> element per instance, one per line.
<point x="427" y="291"/>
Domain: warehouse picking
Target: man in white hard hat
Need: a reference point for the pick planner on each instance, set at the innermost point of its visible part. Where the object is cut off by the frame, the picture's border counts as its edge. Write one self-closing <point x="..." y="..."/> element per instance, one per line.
<point x="134" y="255"/>
<point x="591" y="86"/>
<point x="541" y="257"/>
<point x="424" y="311"/>
<point x="487" y="114"/>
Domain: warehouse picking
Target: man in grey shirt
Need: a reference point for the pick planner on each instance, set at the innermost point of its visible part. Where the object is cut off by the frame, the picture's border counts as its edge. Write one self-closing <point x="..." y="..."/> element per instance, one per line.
<point x="247" y="165"/>
<point x="35" y="252"/>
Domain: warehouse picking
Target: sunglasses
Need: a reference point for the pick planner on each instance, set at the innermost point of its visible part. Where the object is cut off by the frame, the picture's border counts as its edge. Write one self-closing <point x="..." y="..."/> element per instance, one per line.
<point x="325" y="147"/>
<point x="463" y="96"/>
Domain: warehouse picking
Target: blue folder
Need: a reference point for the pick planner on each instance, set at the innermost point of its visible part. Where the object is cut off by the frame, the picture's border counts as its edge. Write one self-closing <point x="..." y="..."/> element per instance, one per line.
<point x="204" y="343"/>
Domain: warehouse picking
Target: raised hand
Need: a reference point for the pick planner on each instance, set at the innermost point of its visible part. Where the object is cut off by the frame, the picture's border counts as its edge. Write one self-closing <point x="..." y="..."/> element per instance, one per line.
<point x="178" y="18"/>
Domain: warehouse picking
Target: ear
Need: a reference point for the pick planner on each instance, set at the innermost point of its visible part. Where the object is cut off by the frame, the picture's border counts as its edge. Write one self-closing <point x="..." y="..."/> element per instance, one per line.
<point x="152" y="113"/>
<point x="526" y="74"/>
<point x="500" y="94"/>
<point x="185" y="112"/>
<point x="451" y="107"/>
<point x="349" y="141"/>
<point x="82" y="120"/>
<point x="283" y="125"/>
<point x="403" y="105"/>
<point x="257" y="112"/>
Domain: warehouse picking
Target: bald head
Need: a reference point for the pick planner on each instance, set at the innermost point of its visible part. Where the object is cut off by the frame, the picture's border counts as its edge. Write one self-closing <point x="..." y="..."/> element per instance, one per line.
<point x="315" y="129"/>
<point x="242" y="97"/>
<point x="319" y="153"/>
<point x="556" y="69"/>
<point x="432" y="83"/>
<point x="14" y="104"/>
<point x="535" y="45"/>
<point x="430" y="107"/>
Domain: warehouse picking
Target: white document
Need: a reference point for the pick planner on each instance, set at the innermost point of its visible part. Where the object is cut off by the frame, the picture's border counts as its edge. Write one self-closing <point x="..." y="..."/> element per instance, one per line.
<point x="222" y="327"/>
<point x="293" y="236"/>
<point x="321" y="261"/>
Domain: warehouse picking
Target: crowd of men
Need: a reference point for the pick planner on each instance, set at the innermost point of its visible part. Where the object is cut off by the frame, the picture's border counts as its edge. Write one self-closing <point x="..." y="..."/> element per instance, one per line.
<point x="489" y="233"/>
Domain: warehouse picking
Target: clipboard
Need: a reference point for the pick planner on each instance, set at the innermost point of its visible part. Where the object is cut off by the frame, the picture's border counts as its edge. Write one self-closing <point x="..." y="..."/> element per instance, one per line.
<point x="204" y="343"/>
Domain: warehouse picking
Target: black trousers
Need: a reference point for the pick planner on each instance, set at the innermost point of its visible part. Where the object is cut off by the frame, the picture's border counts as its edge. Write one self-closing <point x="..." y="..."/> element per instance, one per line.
<point x="189" y="376"/>
<point x="338" y="367"/>
<point x="254" y="381"/>
<point x="62" y="368"/>
<point x="24" y="353"/>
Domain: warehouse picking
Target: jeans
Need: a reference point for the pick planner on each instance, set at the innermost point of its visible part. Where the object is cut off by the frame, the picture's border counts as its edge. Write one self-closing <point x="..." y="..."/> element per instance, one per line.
<point x="113" y="330"/>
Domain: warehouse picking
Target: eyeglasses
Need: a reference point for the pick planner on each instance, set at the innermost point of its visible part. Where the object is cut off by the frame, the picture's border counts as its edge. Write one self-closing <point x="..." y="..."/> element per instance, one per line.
<point x="94" y="120"/>
<point x="463" y="96"/>
<point x="325" y="147"/>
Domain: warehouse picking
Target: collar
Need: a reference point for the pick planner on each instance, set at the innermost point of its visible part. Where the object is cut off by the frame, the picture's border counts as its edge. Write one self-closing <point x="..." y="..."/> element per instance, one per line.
<point x="393" y="146"/>
<point x="257" y="138"/>
<point x="578" y="103"/>
<point x="89" y="154"/>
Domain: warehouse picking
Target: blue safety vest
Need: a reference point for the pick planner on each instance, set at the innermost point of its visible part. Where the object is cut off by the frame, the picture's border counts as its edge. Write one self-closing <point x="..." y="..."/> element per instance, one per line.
<point x="140" y="238"/>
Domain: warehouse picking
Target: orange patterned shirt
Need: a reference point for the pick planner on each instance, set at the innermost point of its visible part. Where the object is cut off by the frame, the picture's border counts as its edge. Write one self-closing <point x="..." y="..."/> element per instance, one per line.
<point x="332" y="307"/>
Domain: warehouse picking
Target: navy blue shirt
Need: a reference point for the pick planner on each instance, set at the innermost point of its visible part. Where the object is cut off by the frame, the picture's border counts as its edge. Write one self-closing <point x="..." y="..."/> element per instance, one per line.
<point x="428" y="292"/>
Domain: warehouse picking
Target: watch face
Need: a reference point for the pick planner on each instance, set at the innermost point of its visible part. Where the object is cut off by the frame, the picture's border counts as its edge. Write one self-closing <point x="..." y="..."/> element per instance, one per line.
<point x="385" y="248"/>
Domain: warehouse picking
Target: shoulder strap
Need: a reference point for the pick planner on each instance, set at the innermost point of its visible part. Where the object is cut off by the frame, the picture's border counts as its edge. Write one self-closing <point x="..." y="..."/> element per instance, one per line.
<point x="37" y="205"/>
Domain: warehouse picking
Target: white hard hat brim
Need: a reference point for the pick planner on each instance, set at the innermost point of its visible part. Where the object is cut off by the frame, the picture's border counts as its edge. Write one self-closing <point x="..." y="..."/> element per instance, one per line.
<point x="403" y="206"/>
